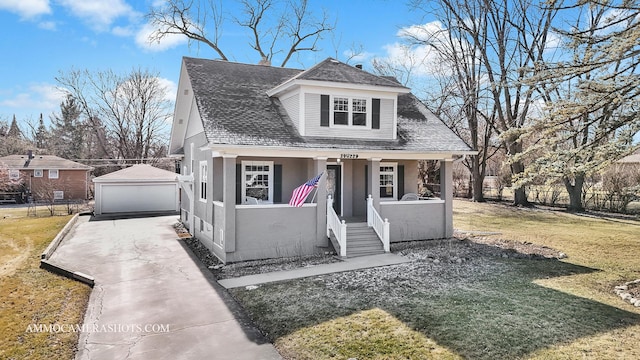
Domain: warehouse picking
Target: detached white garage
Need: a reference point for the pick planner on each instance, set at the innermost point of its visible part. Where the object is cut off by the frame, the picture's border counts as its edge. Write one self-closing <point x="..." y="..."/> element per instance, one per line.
<point x="137" y="189"/>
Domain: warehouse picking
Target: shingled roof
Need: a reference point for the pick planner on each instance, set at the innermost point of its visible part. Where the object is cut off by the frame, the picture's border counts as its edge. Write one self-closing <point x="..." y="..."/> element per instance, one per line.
<point x="336" y="71"/>
<point x="235" y="109"/>
<point x="23" y="162"/>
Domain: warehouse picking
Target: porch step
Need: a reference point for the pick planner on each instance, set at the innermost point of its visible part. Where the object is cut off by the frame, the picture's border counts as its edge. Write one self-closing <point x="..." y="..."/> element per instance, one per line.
<point x="361" y="241"/>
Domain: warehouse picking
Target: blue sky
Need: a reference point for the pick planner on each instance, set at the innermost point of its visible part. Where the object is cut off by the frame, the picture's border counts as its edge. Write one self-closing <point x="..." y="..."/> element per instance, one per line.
<point x="43" y="37"/>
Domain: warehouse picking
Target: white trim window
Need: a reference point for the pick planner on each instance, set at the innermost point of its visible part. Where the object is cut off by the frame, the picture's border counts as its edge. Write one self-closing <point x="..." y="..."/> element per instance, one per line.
<point x="54" y="173"/>
<point x="359" y="112"/>
<point x="38" y="173"/>
<point x="349" y="111"/>
<point x="203" y="181"/>
<point x="257" y="184"/>
<point x="388" y="180"/>
<point x="14" y="174"/>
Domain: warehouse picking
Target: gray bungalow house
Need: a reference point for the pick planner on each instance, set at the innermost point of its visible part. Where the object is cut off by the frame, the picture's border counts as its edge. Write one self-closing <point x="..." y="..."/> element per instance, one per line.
<point x="248" y="135"/>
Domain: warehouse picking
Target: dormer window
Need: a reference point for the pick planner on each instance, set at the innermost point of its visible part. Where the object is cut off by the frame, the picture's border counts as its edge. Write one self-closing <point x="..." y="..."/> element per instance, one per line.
<point x="340" y="111"/>
<point x="359" y="112"/>
<point x="349" y="111"/>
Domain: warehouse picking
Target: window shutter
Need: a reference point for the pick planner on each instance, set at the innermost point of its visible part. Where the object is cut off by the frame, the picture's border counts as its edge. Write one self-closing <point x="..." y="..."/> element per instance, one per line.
<point x="277" y="184"/>
<point x="366" y="181"/>
<point x="400" y="181"/>
<point x="375" y="114"/>
<point x="324" y="110"/>
<point x="238" y="184"/>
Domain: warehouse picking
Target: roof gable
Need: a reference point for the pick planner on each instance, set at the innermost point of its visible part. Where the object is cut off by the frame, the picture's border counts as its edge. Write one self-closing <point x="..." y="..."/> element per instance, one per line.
<point x="332" y="70"/>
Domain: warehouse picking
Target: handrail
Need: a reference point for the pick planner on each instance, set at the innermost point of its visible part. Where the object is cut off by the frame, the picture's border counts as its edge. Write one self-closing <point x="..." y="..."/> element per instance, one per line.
<point x="381" y="227"/>
<point x="339" y="227"/>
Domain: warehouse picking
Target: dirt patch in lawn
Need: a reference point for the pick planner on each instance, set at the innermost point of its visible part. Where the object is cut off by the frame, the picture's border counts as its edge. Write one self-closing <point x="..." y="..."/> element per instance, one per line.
<point x="446" y="251"/>
<point x="516" y="249"/>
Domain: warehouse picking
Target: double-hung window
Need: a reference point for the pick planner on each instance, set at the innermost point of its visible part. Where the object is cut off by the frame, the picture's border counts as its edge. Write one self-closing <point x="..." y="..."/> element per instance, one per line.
<point x="388" y="180"/>
<point x="349" y="111"/>
<point x="53" y="173"/>
<point x="203" y="181"/>
<point x="359" y="112"/>
<point x="258" y="181"/>
<point x="340" y="111"/>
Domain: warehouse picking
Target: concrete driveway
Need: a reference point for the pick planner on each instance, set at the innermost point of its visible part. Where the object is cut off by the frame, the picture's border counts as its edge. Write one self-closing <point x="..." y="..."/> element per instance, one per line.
<point x="152" y="298"/>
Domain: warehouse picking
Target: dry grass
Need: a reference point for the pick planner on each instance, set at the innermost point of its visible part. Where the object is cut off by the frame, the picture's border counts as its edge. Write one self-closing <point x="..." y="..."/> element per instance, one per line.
<point x="352" y="334"/>
<point x="30" y="295"/>
<point x="487" y="306"/>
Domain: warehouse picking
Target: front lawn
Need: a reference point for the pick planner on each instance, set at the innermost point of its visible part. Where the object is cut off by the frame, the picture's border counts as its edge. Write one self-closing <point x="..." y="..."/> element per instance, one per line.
<point x="30" y="296"/>
<point x="467" y="299"/>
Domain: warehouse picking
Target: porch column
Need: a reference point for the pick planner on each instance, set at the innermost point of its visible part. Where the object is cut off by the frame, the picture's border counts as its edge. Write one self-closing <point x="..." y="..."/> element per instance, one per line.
<point x="321" y="201"/>
<point x="229" y="200"/>
<point x="374" y="181"/>
<point x="446" y="193"/>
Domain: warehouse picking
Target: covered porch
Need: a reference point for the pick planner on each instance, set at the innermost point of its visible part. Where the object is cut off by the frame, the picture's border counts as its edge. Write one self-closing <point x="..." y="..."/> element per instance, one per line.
<point x="245" y="199"/>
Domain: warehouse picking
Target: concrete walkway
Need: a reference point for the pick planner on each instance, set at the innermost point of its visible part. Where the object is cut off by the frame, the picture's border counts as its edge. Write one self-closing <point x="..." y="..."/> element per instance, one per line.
<point x="152" y="298"/>
<point x="357" y="263"/>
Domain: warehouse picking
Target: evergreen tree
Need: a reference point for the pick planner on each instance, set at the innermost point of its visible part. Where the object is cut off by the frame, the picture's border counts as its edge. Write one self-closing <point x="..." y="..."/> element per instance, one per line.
<point x="67" y="130"/>
<point x="42" y="135"/>
<point x="13" y="141"/>
<point x="14" y="129"/>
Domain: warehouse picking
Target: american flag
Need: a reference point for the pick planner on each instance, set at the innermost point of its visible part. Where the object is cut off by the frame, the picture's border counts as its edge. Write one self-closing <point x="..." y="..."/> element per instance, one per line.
<point x="301" y="192"/>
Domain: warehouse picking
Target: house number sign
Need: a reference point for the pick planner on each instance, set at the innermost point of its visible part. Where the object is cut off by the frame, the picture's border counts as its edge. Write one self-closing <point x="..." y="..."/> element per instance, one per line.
<point x="348" y="156"/>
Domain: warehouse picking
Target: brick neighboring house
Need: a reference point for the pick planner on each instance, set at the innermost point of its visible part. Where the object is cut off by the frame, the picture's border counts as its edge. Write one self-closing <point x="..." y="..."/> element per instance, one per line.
<point x="48" y="175"/>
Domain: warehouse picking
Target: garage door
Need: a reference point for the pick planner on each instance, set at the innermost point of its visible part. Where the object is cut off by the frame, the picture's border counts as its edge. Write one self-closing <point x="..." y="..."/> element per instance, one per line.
<point x="137" y="198"/>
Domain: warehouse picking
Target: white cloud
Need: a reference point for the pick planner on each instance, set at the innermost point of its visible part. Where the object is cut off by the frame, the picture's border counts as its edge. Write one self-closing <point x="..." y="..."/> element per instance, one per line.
<point x="47" y="25"/>
<point x="168" y="42"/>
<point x="170" y="87"/>
<point x="99" y="14"/>
<point x="359" y="57"/>
<point x="39" y="98"/>
<point x="433" y="31"/>
<point x="413" y="54"/>
<point x="419" y="59"/>
<point x="123" y="31"/>
<point x="27" y="9"/>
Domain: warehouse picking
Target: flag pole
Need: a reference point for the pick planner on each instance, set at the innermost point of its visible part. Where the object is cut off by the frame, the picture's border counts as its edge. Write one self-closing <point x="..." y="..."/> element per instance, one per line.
<point x="316" y="192"/>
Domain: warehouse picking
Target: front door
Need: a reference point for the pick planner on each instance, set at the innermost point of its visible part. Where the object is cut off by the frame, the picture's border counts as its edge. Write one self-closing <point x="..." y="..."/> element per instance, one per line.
<point x="334" y="186"/>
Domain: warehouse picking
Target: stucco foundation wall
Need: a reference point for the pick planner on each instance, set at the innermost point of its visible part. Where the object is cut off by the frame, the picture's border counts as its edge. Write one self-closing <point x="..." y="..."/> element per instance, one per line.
<point x="204" y="232"/>
<point x="218" y="233"/>
<point x="274" y="231"/>
<point x="414" y="220"/>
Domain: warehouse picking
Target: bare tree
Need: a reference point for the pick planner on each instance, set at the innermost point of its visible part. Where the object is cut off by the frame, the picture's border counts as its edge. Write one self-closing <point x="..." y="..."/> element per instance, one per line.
<point x="276" y="27"/>
<point x="11" y="180"/>
<point x="507" y="39"/>
<point x="457" y="93"/>
<point x="132" y="109"/>
<point x="200" y="22"/>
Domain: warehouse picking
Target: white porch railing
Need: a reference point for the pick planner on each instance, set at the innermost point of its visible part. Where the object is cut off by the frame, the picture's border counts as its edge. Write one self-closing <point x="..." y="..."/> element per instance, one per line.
<point x="381" y="227"/>
<point x="339" y="227"/>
